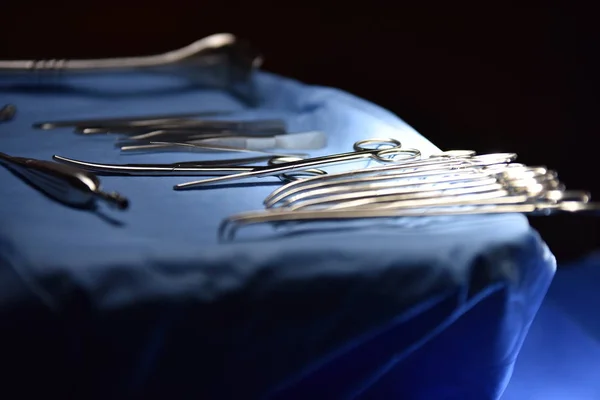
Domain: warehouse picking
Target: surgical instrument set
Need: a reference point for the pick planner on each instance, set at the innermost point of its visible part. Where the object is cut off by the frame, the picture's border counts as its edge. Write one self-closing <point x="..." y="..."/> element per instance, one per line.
<point x="64" y="183"/>
<point x="413" y="185"/>
<point x="401" y="182"/>
<point x="445" y="184"/>
<point x="435" y="165"/>
<point x="219" y="61"/>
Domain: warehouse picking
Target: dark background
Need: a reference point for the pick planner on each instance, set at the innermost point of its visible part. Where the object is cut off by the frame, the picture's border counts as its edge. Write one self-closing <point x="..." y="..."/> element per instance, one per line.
<point x="487" y="76"/>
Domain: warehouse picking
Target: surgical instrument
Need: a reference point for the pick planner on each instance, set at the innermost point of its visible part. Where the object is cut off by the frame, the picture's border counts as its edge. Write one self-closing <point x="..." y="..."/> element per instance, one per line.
<point x="502" y="187"/>
<point x="551" y="203"/>
<point x="411" y="183"/>
<point x="7" y="112"/>
<point x="445" y="163"/>
<point x="449" y="183"/>
<point x="361" y="151"/>
<point x="219" y="60"/>
<point x="69" y="185"/>
<point x="313" y="140"/>
<point x="195" y="147"/>
<point x="191" y="126"/>
<point x="182" y="135"/>
<point x="131" y="121"/>
<point x="533" y="194"/>
<point x="200" y="168"/>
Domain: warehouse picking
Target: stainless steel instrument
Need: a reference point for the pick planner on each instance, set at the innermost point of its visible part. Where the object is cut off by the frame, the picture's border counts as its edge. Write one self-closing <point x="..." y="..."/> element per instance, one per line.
<point x="192" y="168"/>
<point x="217" y="61"/>
<point x="66" y="184"/>
<point x="364" y="149"/>
<point x="449" y="183"/>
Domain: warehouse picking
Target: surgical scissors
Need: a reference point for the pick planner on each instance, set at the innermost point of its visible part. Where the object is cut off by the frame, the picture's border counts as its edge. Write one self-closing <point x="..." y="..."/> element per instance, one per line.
<point x="191" y="168"/>
<point x="361" y="151"/>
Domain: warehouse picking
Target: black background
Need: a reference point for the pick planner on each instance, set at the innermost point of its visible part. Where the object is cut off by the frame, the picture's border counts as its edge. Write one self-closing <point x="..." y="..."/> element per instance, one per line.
<point x="487" y="76"/>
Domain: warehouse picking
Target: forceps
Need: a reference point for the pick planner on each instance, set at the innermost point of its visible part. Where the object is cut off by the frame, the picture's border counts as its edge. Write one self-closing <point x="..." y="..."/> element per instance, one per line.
<point x="361" y="151"/>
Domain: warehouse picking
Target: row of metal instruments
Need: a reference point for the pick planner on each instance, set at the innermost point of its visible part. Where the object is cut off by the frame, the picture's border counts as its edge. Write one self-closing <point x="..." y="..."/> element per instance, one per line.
<point x="400" y="182"/>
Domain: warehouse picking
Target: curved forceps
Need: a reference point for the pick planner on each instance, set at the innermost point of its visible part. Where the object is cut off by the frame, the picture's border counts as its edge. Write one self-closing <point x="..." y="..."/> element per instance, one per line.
<point x="362" y="150"/>
<point x="191" y="168"/>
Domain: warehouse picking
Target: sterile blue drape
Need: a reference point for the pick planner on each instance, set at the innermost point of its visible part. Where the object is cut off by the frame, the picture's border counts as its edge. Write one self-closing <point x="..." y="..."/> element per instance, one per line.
<point x="149" y="304"/>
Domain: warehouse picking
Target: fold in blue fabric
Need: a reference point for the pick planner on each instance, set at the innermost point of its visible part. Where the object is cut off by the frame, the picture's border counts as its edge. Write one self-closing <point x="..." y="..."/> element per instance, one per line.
<point x="150" y="304"/>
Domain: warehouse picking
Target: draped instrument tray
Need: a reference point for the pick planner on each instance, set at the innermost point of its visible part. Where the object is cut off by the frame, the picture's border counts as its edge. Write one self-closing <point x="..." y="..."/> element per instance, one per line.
<point x="148" y="303"/>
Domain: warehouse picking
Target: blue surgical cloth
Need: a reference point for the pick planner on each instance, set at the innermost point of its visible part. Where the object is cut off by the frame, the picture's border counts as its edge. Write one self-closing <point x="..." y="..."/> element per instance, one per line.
<point x="148" y="303"/>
